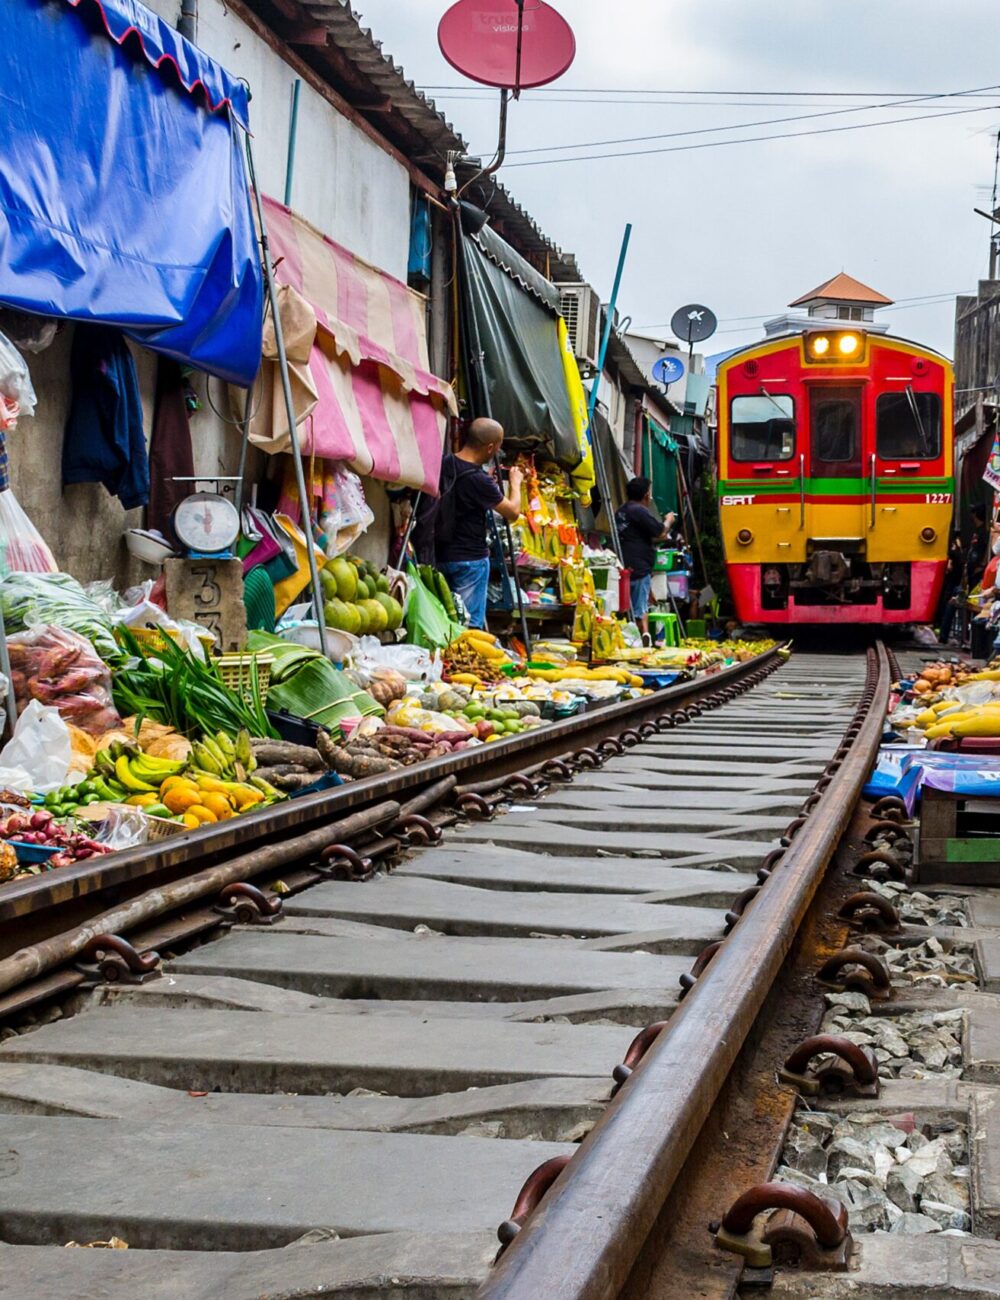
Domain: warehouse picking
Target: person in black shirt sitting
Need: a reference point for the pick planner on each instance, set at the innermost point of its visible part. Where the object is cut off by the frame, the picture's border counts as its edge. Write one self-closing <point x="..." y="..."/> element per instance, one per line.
<point x="639" y="531"/>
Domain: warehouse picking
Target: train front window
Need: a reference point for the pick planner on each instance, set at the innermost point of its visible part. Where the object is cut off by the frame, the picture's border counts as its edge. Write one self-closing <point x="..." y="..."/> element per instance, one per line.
<point x="908" y="426"/>
<point x="762" y="427"/>
<point x="834" y="415"/>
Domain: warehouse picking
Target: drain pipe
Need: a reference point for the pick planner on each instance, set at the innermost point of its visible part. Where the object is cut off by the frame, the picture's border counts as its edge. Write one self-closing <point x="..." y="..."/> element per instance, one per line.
<point x="187" y="24"/>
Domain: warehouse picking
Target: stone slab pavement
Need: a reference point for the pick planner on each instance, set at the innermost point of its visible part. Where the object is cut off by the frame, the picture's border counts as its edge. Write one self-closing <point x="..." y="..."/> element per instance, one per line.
<point x="505" y="870"/>
<point x="427" y="966"/>
<point x="261" y="1051"/>
<point x="384" y="1266"/>
<point x="549" y="1109"/>
<point x="463" y="910"/>
<point x="160" y="1187"/>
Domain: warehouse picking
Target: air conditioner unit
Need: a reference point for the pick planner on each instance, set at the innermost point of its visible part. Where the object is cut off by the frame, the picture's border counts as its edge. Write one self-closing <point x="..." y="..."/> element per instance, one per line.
<point x="580" y="308"/>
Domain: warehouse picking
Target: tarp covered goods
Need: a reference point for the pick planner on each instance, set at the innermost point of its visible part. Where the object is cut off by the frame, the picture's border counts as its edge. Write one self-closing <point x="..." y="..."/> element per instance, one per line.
<point x="126" y="202"/>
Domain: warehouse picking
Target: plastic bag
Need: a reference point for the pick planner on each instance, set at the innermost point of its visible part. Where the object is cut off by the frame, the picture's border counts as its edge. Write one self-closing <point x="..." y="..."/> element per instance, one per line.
<point x="123" y="828"/>
<point x="29" y="599"/>
<point x="15" y="385"/>
<point x="414" y="662"/>
<point x="61" y="669"/>
<point x="39" y="749"/>
<point x="22" y="547"/>
<point x="427" y="622"/>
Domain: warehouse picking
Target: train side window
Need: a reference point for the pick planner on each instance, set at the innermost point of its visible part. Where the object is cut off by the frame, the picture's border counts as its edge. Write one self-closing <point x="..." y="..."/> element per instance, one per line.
<point x="762" y="427"/>
<point x="908" y="426"/>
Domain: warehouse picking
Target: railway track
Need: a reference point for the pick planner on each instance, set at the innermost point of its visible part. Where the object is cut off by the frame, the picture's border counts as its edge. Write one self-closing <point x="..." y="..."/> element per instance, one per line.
<point x="349" y="1097"/>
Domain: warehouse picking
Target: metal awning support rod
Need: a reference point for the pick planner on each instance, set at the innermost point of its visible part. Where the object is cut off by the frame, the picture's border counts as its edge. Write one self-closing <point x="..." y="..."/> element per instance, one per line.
<point x="286" y="388"/>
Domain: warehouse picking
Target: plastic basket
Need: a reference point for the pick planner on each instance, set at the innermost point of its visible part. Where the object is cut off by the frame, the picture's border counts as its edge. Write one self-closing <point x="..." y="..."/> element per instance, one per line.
<point x="153" y="640"/>
<point x="236" y="671"/>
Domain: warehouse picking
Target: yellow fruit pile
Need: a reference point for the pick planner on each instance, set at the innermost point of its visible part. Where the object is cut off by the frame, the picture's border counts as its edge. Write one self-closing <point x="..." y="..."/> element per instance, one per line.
<point x="198" y="799"/>
<point x="578" y="673"/>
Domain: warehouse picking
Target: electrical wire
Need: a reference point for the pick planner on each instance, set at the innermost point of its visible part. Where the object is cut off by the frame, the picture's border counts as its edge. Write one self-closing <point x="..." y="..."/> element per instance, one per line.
<point x="742" y="126"/>
<point x="751" y="139"/>
<point x="901" y="304"/>
<point x="646" y="90"/>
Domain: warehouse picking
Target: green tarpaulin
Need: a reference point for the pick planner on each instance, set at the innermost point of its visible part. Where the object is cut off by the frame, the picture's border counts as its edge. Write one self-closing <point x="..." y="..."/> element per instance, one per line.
<point x="514" y="368"/>
<point x="659" y="464"/>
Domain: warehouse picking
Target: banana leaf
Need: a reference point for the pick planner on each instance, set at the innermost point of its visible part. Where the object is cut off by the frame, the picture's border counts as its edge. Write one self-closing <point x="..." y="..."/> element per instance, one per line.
<point x="318" y="692"/>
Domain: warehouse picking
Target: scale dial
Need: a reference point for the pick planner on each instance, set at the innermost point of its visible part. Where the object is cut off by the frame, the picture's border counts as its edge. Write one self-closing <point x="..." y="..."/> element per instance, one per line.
<point x="206" y="523"/>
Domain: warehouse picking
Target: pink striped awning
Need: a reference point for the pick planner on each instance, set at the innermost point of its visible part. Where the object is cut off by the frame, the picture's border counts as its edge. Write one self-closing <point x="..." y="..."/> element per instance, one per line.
<point x="363" y="390"/>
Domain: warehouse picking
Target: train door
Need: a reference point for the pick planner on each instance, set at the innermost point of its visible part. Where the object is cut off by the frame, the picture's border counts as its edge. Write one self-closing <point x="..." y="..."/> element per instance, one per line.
<point x="835" y="465"/>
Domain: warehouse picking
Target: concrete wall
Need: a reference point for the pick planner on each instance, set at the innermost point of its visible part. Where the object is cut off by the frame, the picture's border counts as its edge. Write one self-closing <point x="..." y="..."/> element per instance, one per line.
<point x="344" y="184"/>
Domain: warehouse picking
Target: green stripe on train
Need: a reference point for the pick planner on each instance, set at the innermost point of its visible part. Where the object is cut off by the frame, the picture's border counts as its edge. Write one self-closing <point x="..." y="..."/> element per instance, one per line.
<point x="833" y="486"/>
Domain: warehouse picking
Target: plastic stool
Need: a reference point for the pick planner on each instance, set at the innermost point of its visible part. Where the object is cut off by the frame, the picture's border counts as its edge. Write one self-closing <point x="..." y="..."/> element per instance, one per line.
<point x="696" y="628"/>
<point x="670" y="625"/>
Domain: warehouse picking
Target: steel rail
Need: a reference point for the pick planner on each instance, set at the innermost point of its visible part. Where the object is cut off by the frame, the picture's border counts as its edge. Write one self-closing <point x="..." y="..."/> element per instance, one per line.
<point x="586" y="1234"/>
<point x="140" y="868"/>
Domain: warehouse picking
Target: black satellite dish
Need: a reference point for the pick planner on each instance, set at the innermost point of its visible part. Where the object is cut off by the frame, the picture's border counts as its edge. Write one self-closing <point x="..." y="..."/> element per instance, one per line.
<point x="693" y="323"/>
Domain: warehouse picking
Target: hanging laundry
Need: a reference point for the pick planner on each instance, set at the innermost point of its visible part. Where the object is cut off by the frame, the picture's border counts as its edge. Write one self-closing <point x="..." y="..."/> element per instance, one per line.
<point x="104" y="440"/>
<point x="170" y="452"/>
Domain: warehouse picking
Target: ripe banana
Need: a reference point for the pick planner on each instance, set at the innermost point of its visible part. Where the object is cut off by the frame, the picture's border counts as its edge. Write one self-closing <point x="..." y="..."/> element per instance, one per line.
<point x="129" y="780"/>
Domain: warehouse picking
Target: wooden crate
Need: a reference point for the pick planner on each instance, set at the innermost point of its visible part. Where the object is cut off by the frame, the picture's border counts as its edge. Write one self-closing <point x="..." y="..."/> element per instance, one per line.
<point x="959" y="839"/>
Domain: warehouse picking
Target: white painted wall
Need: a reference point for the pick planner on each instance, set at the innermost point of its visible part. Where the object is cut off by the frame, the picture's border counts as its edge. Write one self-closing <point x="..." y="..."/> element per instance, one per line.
<point x="343" y="183"/>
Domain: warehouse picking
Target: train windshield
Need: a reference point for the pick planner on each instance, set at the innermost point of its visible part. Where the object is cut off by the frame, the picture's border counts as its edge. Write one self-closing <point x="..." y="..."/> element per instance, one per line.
<point x="834" y="415"/>
<point x="762" y="427"/>
<point x="908" y="426"/>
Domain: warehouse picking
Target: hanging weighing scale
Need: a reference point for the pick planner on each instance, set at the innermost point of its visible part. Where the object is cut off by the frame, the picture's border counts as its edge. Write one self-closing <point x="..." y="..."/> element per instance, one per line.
<point x="207" y="523"/>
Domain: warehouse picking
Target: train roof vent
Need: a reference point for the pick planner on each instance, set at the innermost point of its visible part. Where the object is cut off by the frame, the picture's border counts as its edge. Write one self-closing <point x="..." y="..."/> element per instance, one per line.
<point x="750" y="368"/>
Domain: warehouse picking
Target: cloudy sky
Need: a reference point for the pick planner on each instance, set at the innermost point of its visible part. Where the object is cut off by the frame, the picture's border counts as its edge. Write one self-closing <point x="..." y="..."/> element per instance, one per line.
<point x="747" y="227"/>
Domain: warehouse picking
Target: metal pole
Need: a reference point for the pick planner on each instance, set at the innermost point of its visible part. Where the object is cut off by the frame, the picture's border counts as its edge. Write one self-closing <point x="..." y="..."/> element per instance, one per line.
<point x="11" y="702"/>
<point x="293" y="131"/>
<point x="592" y="403"/>
<point x="286" y="386"/>
<point x="244" y="448"/>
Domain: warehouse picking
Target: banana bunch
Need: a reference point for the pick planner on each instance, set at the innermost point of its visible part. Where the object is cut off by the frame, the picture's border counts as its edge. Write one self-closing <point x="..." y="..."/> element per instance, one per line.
<point x="224" y="757"/>
<point x="122" y="770"/>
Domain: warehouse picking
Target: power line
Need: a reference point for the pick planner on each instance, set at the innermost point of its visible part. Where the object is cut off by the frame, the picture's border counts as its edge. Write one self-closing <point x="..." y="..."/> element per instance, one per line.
<point x="641" y="90"/>
<point x="901" y="304"/>
<point x="751" y="139"/>
<point x="742" y="126"/>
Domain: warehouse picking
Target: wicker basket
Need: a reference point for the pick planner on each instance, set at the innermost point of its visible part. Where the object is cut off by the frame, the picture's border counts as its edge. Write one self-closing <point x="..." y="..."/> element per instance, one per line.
<point x="161" y="829"/>
<point x="236" y="671"/>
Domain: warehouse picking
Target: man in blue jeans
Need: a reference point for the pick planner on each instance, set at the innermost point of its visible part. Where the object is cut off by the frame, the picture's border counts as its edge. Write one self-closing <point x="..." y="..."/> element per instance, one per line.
<point x="468" y="494"/>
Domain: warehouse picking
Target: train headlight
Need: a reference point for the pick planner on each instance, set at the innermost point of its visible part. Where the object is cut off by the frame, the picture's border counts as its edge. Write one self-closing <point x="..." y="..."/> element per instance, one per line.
<point x="928" y="535"/>
<point x="744" y="537"/>
<point x="819" y="346"/>
<point x="848" y="345"/>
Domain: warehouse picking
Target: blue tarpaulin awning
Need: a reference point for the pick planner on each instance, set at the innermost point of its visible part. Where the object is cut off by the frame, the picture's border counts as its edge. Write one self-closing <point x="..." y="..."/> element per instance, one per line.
<point x="123" y="195"/>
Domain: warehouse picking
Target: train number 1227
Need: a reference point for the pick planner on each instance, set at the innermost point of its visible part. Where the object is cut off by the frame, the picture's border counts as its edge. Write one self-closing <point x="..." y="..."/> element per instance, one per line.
<point x="938" y="498"/>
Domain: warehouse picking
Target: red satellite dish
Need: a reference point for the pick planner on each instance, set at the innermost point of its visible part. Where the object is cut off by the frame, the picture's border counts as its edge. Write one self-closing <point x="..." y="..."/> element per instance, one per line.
<point x="506" y="44"/>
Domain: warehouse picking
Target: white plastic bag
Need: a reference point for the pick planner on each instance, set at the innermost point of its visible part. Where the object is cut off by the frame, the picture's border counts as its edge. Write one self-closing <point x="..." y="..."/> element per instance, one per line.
<point x="414" y="662"/>
<point x="22" y="547"/>
<point x="15" y="385"/>
<point x="41" y="749"/>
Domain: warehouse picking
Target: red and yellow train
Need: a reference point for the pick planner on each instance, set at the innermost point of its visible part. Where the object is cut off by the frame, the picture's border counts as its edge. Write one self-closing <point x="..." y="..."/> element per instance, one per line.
<point x="836" y="477"/>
